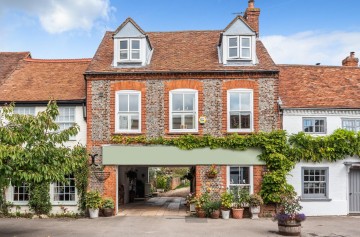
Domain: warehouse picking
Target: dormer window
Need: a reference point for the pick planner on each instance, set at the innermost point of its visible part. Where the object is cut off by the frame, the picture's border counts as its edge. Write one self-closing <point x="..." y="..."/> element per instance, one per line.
<point x="129" y="49"/>
<point x="239" y="47"/>
<point x="132" y="46"/>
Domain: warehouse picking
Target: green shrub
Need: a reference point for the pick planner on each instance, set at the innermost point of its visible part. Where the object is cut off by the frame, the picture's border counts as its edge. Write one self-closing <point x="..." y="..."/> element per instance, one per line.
<point x="40" y="198"/>
<point x="93" y="199"/>
<point x="108" y="203"/>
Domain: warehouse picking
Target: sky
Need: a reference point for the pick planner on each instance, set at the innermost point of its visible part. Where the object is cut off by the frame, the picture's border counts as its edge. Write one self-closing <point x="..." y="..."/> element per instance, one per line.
<point x="293" y="31"/>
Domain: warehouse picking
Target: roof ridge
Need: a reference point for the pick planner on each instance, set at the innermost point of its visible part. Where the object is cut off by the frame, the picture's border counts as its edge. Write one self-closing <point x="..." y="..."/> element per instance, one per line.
<point x="310" y="65"/>
<point x="73" y="60"/>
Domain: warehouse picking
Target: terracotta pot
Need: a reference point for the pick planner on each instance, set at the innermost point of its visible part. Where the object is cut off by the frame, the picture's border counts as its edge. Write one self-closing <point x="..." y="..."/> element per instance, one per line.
<point x="289" y="228"/>
<point x="201" y="213"/>
<point x="237" y="213"/>
<point x="215" y="214"/>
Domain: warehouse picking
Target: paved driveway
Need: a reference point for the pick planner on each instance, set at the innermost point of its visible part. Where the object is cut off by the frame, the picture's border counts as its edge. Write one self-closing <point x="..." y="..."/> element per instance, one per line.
<point x="168" y="226"/>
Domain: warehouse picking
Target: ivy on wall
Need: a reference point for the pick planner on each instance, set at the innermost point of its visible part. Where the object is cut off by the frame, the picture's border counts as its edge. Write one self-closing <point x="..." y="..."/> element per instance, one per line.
<point x="280" y="152"/>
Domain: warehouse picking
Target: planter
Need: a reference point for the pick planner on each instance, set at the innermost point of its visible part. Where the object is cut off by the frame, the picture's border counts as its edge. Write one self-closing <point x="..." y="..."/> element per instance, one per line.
<point x="237" y="213"/>
<point x="255" y="212"/>
<point x="108" y="212"/>
<point x="289" y="228"/>
<point x="201" y="213"/>
<point x="215" y="214"/>
<point x="225" y="214"/>
<point x="94" y="213"/>
<point x="211" y="176"/>
<point x="192" y="207"/>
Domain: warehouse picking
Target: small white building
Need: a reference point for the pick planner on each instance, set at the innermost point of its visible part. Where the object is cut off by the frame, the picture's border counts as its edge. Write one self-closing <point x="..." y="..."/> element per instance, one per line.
<point x="31" y="83"/>
<point x="318" y="100"/>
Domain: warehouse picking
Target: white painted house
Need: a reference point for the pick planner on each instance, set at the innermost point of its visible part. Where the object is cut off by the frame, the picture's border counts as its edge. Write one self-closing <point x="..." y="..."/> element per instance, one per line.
<point x="318" y="100"/>
<point x="31" y="83"/>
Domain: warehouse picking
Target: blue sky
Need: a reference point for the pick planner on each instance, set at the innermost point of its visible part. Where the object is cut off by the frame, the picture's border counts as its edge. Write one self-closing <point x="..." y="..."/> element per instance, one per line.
<point x="294" y="31"/>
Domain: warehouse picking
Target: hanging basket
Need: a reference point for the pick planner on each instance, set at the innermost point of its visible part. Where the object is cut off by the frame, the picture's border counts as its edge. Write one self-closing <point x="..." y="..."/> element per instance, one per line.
<point x="211" y="175"/>
<point x="101" y="175"/>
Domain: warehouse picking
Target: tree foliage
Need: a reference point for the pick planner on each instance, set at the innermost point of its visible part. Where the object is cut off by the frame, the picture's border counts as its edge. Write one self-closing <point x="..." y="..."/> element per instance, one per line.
<point x="34" y="150"/>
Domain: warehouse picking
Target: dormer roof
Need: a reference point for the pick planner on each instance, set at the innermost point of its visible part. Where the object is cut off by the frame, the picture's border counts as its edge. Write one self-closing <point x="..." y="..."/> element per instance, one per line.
<point x="133" y="23"/>
<point x="238" y="20"/>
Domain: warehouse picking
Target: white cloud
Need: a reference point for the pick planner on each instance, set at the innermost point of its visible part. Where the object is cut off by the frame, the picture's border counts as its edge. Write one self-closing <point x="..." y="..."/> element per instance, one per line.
<point x="327" y="48"/>
<point x="57" y="16"/>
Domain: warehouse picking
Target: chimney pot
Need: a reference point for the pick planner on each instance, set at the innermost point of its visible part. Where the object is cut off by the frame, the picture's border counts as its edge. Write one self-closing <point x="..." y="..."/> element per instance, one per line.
<point x="251" y="4"/>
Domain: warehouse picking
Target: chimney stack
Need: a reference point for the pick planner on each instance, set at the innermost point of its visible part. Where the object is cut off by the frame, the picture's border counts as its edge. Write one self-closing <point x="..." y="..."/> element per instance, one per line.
<point x="350" y="61"/>
<point x="252" y="16"/>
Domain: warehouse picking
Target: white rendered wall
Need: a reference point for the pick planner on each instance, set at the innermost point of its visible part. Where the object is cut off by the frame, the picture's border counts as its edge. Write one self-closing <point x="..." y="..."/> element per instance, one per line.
<point x="80" y="138"/>
<point x="338" y="192"/>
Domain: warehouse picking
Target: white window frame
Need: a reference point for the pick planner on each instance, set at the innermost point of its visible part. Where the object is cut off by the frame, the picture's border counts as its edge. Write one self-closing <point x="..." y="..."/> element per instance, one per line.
<point x="56" y="202"/>
<point x="239" y="47"/>
<point x="183" y="91"/>
<point x="240" y="90"/>
<point x="314" y="120"/>
<point x="12" y="193"/>
<point x="129" y="50"/>
<point x="117" y="112"/>
<point x="69" y="122"/>
<point x="24" y="110"/>
<point x="315" y="196"/>
<point x="251" y="177"/>
<point x="353" y="120"/>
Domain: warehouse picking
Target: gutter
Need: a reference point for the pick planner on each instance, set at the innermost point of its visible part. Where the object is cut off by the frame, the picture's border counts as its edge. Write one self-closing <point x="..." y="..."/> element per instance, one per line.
<point x="183" y="72"/>
<point x="45" y="102"/>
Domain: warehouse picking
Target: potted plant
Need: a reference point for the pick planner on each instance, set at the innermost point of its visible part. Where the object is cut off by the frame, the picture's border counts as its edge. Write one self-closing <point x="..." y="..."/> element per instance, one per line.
<point x="289" y="219"/>
<point x="226" y="204"/>
<point x="93" y="203"/>
<point x="201" y="201"/>
<point x="190" y="202"/>
<point x="212" y="209"/>
<point x="255" y="202"/>
<point x="212" y="172"/>
<point x="241" y="199"/>
<point x="108" y="206"/>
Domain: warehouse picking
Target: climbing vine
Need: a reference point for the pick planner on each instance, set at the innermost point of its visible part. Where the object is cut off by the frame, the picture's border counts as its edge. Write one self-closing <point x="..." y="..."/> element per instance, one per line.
<point x="280" y="152"/>
<point x="81" y="175"/>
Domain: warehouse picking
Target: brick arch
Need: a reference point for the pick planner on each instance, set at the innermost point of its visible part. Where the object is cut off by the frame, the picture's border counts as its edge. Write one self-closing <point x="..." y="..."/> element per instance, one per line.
<point x="240" y="84"/>
<point x="128" y="85"/>
<point x="183" y="84"/>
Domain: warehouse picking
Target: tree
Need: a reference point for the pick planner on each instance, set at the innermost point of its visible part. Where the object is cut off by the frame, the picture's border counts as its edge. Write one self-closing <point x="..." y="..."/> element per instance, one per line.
<point x="33" y="150"/>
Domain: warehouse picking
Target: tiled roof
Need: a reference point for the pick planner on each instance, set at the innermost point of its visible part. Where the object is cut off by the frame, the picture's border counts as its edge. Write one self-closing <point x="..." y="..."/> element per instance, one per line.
<point x="304" y="86"/>
<point x="179" y="52"/>
<point x="41" y="80"/>
<point x="8" y="63"/>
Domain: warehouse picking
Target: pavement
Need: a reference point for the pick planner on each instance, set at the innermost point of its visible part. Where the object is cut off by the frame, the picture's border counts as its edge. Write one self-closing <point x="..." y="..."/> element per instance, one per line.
<point x="169" y="226"/>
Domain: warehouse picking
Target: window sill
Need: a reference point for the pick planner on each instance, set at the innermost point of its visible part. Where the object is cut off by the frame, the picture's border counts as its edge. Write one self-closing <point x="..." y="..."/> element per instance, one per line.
<point x="21" y="203"/>
<point x="315" y="199"/>
<point x="72" y="203"/>
<point x="182" y="133"/>
<point x="128" y="133"/>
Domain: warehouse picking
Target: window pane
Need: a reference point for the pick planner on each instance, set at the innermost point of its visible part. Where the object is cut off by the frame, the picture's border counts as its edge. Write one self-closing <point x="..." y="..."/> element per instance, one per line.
<point x="245" y="121"/>
<point x="123" y="102"/>
<point x="124" y="44"/>
<point x="244" y="175"/>
<point x="135" y="44"/>
<point x="176" y="121"/>
<point x="135" y="54"/>
<point x="189" y="122"/>
<point x="245" y="42"/>
<point x="245" y="101"/>
<point x="245" y="53"/>
<point x="134" y="122"/>
<point x="189" y="102"/>
<point x="123" y="122"/>
<point x="24" y="110"/>
<point x="65" y="191"/>
<point x="234" y="120"/>
<point x="177" y="102"/>
<point x="233" y="52"/>
<point x="234" y="175"/>
<point x="134" y="102"/>
<point x="123" y="54"/>
<point x="234" y="102"/>
<point x="233" y="42"/>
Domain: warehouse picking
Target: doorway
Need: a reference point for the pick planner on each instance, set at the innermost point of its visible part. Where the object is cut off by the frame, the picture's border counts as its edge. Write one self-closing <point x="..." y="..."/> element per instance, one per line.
<point x="354" y="191"/>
